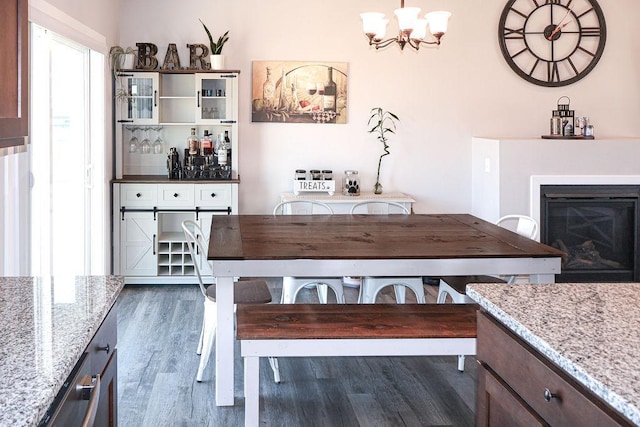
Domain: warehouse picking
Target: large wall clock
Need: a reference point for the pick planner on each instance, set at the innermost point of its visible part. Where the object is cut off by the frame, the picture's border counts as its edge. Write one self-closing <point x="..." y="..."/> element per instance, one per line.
<point x="552" y="42"/>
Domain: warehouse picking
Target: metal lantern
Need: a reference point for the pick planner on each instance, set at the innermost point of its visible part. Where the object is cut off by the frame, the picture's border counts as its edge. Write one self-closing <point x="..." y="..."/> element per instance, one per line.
<point x="565" y="114"/>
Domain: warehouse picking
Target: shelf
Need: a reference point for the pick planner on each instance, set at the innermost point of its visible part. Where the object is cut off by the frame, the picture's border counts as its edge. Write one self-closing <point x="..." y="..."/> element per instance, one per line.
<point x="172" y="236"/>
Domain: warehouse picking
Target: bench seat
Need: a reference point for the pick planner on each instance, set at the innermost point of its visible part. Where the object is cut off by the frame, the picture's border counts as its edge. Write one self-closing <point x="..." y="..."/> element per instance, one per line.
<point x="311" y="330"/>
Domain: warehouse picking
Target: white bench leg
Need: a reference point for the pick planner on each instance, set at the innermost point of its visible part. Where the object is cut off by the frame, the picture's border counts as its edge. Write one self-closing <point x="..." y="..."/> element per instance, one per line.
<point x="251" y="391"/>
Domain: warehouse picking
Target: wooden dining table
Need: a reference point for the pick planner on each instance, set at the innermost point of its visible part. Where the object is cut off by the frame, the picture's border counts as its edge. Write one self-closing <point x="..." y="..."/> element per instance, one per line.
<point x="358" y="245"/>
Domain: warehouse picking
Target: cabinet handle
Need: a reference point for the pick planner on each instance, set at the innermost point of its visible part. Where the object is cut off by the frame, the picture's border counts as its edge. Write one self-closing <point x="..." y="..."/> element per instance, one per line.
<point x="198" y="98"/>
<point x="548" y="395"/>
<point x="106" y="348"/>
<point x="155" y="98"/>
<point x="138" y="195"/>
<point x="175" y="195"/>
<point x="90" y="384"/>
<point x="213" y="194"/>
<point x="154" y="244"/>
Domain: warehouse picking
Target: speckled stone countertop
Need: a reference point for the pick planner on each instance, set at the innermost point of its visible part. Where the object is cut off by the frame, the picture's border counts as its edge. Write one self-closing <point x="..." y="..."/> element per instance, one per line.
<point x="590" y="330"/>
<point x="45" y="325"/>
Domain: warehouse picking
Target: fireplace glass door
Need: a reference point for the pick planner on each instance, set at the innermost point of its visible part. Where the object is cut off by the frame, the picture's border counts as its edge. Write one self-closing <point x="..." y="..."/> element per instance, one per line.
<point x="597" y="231"/>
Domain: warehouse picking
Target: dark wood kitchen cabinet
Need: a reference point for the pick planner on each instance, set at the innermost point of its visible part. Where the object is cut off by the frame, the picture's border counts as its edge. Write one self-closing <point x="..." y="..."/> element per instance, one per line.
<point x="14" y="74"/>
<point x="517" y="386"/>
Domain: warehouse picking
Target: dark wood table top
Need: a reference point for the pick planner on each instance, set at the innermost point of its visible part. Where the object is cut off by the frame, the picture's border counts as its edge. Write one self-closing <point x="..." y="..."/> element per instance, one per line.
<point x="282" y="237"/>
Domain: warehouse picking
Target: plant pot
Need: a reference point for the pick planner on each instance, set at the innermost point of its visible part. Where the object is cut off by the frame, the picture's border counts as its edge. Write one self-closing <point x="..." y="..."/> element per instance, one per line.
<point x="127" y="61"/>
<point x="217" y="62"/>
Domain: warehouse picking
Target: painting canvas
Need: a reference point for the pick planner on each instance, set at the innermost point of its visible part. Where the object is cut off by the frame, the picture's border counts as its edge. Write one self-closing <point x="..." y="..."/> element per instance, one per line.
<point x="299" y="92"/>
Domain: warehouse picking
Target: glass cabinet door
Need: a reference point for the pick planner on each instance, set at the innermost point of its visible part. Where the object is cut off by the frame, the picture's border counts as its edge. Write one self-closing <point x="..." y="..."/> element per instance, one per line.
<point x="216" y="98"/>
<point x="137" y="98"/>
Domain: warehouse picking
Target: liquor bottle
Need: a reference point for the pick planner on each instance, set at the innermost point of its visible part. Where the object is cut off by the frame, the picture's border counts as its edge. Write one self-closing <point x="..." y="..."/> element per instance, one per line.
<point x="221" y="149"/>
<point x="206" y="145"/>
<point x="268" y="91"/>
<point x="227" y="145"/>
<point x="330" y="93"/>
<point x="192" y="143"/>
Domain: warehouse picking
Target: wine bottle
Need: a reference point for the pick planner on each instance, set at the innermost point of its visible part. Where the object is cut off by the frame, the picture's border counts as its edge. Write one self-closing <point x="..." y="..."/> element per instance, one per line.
<point x="227" y="144"/>
<point x="268" y="91"/>
<point x="330" y="92"/>
<point x="222" y="150"/>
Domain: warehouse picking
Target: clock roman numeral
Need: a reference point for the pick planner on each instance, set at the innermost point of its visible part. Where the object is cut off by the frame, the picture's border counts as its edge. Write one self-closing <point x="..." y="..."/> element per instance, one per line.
<point x="519" y="13"/>
<point x="519" y="52"/>
<point x="585" y="12"/>
<point x="591" y="32"/>
<point x="586" y="51"/>
<point x="511" y="34"/>
<point x="535" y="65"/>
<point x="553" y="75"/>
<point x="573" y="66"/>
<point x="536" y="3"/>
<point x="553" y="2"/>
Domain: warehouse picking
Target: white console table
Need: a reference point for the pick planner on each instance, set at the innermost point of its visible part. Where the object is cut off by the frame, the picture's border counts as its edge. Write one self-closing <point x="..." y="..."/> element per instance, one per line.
<point x="342" y="204"/>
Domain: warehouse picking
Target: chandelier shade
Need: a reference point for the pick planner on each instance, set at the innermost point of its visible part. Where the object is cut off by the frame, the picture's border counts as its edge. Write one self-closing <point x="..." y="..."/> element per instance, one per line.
<point x="413" y="29"/>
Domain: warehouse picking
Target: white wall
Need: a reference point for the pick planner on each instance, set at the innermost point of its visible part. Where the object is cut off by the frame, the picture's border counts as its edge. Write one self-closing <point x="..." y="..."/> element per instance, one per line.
<point x="443" y="96"/>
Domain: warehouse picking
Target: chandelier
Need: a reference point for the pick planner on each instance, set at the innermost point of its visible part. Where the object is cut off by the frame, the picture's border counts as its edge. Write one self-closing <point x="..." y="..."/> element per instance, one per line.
<point x="413" y="30"/>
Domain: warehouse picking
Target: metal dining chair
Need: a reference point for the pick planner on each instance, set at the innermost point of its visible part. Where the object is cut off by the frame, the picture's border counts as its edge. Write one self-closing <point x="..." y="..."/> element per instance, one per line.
<point x="291" y="286"/>
<point x="454" y="287"/>
<point x="371" y="286"/>
<point x="244" y="292"/>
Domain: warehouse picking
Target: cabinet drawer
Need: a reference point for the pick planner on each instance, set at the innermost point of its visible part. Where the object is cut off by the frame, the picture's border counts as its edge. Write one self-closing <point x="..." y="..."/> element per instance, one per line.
<point x="175" y="195"/>
<point x="138" y="195"/>
<point x="213" y="195"/>
<point x="529" y="374"/>
<point x="103" y="344"/>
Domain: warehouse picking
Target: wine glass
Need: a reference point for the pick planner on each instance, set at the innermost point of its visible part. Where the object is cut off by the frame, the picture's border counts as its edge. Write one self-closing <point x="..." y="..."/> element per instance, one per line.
<point x="133" y="142"/>
<point x="157" y="144"/>
<point x="145" y="145"/>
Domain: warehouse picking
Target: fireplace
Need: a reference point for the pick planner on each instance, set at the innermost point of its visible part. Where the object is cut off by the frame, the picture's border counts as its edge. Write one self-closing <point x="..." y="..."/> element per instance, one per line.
<point x="596" y="226"/>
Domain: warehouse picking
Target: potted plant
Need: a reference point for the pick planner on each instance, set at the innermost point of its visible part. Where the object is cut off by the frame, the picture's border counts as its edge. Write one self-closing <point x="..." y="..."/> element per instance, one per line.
<point x="384" y="122"/>
<point x="216" y="58"/>
<point x="122" y="58"/>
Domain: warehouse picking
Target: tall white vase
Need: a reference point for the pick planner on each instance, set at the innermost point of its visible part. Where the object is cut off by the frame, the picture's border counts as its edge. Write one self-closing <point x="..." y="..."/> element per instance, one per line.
<point x="217" y="62"/>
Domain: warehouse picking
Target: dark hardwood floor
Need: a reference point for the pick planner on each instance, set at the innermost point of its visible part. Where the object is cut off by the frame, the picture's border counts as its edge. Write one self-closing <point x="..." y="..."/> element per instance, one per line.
<point x="159" y="327"/>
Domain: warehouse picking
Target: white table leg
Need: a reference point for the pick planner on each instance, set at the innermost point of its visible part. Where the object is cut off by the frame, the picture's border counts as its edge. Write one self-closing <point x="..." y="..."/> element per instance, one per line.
<point x="224" y="342"/>
<point x="251" y="391"/>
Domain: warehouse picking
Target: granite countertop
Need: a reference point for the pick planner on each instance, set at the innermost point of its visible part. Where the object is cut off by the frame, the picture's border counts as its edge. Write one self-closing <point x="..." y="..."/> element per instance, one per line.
<point x="45" y="325"/>
<point x="590" y="330"/>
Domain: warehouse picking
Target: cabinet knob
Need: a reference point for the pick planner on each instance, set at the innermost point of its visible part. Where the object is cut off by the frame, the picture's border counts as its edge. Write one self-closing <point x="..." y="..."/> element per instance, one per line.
<point x="548" y="395"/>
<point x="138" y="195"/>
<point x="213" y="194"/>
<point x="175" y="194"/>
<point x="106" y="348"/>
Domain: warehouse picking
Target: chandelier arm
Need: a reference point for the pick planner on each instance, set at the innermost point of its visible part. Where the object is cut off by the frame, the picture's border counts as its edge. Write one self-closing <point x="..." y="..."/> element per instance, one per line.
<point x="383" y="43"/>
<point x="436" y="42"/>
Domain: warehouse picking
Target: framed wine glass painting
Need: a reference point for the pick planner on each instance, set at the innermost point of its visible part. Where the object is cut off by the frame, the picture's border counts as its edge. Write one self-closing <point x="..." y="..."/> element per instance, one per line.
<point x="299" y="92"/>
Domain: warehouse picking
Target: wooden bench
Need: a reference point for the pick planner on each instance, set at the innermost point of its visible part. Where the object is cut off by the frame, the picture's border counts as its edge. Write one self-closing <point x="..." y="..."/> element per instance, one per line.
<point x="310" y="330"/>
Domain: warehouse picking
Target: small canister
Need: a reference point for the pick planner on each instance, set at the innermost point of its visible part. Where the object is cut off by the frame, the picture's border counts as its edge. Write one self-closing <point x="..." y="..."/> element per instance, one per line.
<point x="556" y="125"/>
<point x="301" y="174"/>
<point x="351" y="184"/>
<point x="316" y="175"/>
<point x="327" y="174"/>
